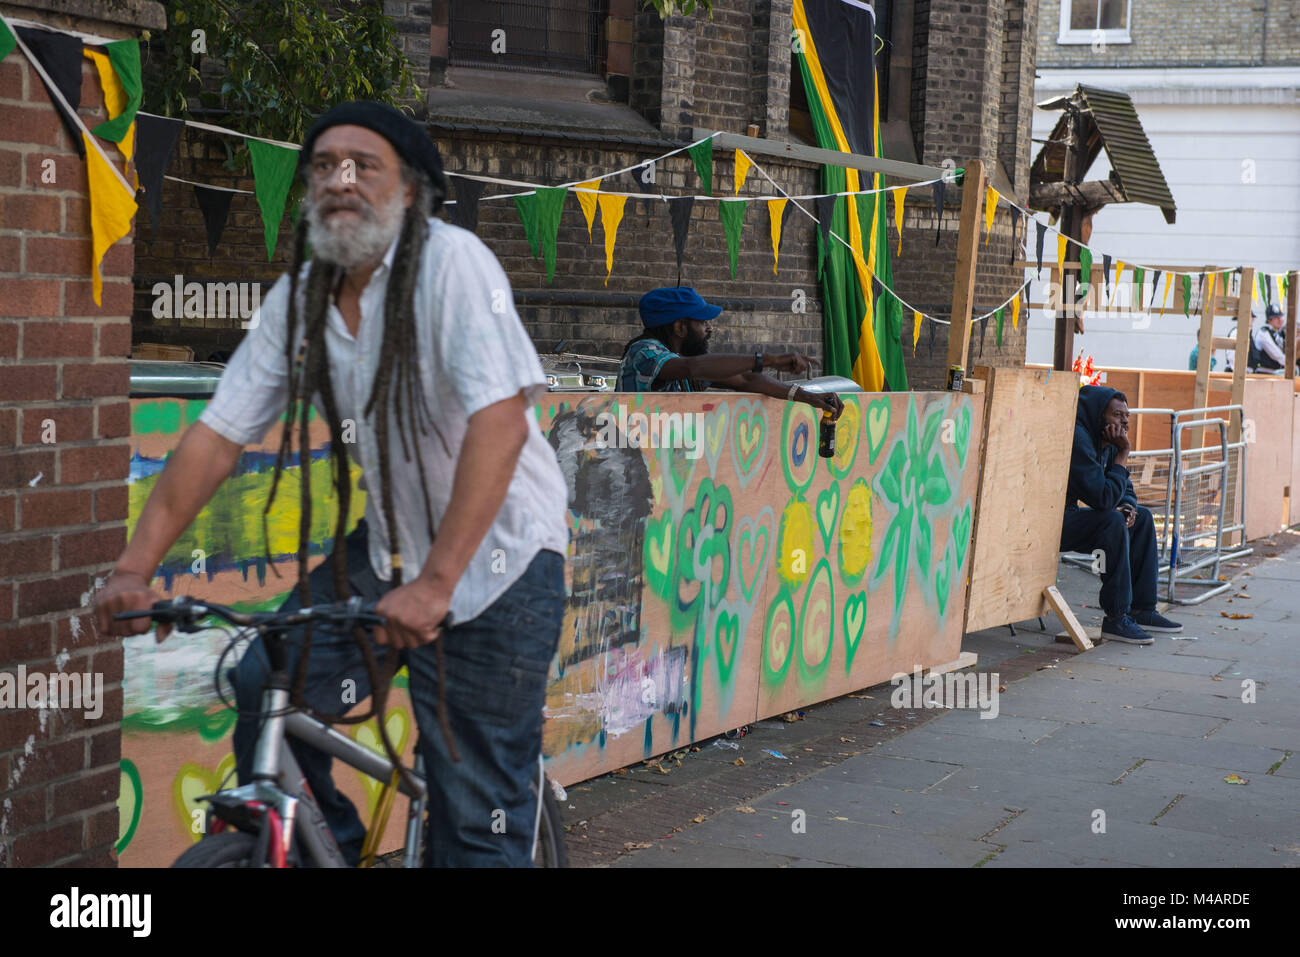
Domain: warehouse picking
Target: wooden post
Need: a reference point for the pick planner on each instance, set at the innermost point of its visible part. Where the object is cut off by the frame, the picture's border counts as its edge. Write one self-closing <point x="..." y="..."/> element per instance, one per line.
<point x="1204" y="349"/>
<point x="1056" y="602"/>
<point x="963" y="285"/>
<point x="1292" y="295"/>
<point x="1242" y="353"/>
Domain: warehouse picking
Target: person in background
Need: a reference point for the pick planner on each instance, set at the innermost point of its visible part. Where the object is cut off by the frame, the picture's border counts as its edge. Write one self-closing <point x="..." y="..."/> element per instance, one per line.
<point x="1196" y="351"/>
<point x="671" y="355"/>
<point x="1112" y="522"/>
<point x="1269" y="352"/>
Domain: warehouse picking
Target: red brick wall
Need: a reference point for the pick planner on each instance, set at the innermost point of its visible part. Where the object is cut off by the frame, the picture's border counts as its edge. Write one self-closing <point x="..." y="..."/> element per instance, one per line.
<point x="64" y="458"/>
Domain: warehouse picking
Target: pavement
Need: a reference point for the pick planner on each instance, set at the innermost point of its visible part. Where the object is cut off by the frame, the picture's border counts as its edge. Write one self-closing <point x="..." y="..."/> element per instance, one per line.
<point x="1179" y="754"/>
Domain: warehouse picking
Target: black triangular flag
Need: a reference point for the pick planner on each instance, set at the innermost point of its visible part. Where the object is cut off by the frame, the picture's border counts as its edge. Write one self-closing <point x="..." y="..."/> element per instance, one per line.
<point x="939" y="188"/>
<point x="984" y="324"/>
<point x="679" y="211"/>
<point x="1155" y="289"/>
<point x="930" y="327"/>
<point x="155" y="141"/>
<point x="1042" y="232"/>
<point x="215" y="204"/>
<point x="824" y="209"/>
<point x="1015" y="225"/>
<point x="60" y="55"/>
<point x="1105" y="274"/>
<point x="465" y="213"/>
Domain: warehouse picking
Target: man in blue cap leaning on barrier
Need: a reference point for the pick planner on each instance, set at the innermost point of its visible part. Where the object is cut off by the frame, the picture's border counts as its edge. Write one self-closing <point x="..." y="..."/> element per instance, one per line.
<point x="671" y="355"/>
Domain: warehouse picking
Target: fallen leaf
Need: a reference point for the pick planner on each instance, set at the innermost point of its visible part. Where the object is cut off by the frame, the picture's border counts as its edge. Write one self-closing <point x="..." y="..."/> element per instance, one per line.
<point x="791" y="716"/>
<point x="635" y="846"/>
<point x="745" y="809"/>
<point x="895" y="811"/>
<point x="1001" y="688"/>
<point x="841" y="819"/>
<point x="698" y="820"/>
<point x="739" y="762"/>
<point x="1216" y="678"/>
<point x="1123" y="669"/>
<point x="844" y="740"/>
<point x="1235" y="615"/>
<point x="1236" y="779"/>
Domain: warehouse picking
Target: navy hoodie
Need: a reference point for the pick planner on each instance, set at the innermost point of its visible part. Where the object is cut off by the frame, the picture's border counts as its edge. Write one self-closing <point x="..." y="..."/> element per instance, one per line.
<point x="1095" y="479"/>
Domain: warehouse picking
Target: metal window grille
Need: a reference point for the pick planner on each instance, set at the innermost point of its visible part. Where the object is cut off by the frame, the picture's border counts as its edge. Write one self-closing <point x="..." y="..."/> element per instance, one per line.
<point x="559" y="36"/>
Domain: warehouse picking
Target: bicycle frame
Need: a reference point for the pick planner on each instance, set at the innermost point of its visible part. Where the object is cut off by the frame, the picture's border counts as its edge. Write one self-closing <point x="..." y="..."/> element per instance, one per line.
<point x="279" y="782"/>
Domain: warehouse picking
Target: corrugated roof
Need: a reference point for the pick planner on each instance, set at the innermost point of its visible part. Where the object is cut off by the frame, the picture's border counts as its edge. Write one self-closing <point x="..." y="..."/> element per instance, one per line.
<point x="1111" y="124"/>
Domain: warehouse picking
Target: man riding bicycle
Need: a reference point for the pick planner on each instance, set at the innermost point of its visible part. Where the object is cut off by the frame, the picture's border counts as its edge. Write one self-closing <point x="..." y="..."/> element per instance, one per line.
<point x="403" y="326"/>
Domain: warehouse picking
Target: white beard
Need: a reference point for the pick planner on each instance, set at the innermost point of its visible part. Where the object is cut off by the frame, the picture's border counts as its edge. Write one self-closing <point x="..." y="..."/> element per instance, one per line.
<point x="351" y="243"/>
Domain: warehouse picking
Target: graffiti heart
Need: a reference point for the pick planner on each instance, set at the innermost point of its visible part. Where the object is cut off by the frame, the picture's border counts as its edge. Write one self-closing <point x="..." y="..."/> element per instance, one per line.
<point x="715" y="433"/>
<point x="398" y="723"/>
<point x="828" y="507"/>
<point x="817" y="624"/>
<point x="877" y="428"/>
<point x="192" y="782"/>
<point x="855" y="623"/>
<point x="753" y="537"/>
<point x="749" y="439"/>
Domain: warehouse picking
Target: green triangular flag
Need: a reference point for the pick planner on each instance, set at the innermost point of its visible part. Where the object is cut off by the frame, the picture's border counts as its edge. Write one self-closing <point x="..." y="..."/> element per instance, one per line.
<point x="1187" y="295"/>
<point x="124" y="55"/>
<point x="1085" y="268"/>
<point x="702" y="153"/>
<point x="1285" y="283"/>
<point x="550" y="204"/>
<point x="732" y="214"/>
<point x="1138" y="273"/>
<point x="997" y="319"/>
<point x="7" y="40"/>
<point x="1261" y="283"/>
<point x="273" y="169"/>
<point x="527" y="206"/>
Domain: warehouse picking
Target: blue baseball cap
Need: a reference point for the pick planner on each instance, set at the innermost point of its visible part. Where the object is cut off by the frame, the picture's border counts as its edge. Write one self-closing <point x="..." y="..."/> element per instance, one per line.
<point x="659" y="307"/>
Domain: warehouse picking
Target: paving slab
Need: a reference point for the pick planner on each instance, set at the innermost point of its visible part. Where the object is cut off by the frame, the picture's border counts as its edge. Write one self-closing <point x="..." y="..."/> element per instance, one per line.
<point x="1151" y="844"/>
<point x="1279" y="791"/>
<point x="1229" y="755"/>
<point x="1245" y="820"/>
<point x="1034" y="855"/>
<point x="1068" y="762"/>
<point x="682" y="853"/>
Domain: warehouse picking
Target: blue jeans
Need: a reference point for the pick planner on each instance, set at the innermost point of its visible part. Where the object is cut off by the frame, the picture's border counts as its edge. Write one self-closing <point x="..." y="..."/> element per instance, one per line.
<point x="481" y="811"/>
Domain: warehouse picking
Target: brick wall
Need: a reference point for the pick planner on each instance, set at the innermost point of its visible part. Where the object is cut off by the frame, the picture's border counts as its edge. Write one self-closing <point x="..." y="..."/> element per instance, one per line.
<point x="1175" y="33"/>
<point x="64" y="455"/>
<point x="971" y="98"/>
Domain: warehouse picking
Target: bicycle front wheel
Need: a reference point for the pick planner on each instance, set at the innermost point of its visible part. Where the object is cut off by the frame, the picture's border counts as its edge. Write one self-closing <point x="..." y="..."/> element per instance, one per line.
<point x="227" y="849"/>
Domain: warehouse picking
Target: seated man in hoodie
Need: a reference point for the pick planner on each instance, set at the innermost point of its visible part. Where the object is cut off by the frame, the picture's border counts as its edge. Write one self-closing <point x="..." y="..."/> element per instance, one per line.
<point x="1112" y="522"/>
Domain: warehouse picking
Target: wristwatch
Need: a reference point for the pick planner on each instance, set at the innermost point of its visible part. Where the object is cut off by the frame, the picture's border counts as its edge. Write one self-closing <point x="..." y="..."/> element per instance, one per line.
<point x="758" y="362"/>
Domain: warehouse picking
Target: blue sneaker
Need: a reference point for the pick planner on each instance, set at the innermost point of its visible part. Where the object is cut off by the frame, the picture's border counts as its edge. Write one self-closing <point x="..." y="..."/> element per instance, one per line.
<point x="1125" y="629"/>
<point x="1152" y="620"/>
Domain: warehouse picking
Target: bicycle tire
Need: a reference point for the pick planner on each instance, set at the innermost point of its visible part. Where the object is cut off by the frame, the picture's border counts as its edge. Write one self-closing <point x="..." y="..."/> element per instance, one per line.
<point x="227" y="849"/>
<point x="551" y="848"/>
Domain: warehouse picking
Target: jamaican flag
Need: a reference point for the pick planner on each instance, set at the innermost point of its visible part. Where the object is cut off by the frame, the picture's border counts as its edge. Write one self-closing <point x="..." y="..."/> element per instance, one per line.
<point x="834" y="46"/>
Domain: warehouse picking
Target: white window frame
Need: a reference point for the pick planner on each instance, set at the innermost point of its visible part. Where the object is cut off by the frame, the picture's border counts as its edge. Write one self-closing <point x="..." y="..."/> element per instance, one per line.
<point x="1067" y="36"/>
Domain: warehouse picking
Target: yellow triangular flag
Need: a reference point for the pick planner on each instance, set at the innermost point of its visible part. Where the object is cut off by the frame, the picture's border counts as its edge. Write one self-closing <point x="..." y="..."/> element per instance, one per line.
<point x="990" y="208"/>
<point x="114" y="96"/>
<point x="743" y="163"/>
<point x="1208" y="302"/>
<point x="900" y="196"/>
<point x="916" y="329"/>
<point x="1061" y="243"/>
<point x="611" y="214"/>
<point x="1254" y="288"/>
<point x="1015" y="312"/>
<point x="1119" y="277"/>
<point x="775" y="210"/>
<point x="1169" y="290"/>
<point x="587" y="201"/>
<point x="111" y="210"/>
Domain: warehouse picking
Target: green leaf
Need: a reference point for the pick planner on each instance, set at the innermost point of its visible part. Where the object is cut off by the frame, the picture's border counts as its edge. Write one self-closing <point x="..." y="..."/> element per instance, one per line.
<point x="937" y="490"/>
<point x="924" y="535"/>
<point x="932" y="424"/>
<point x="891" y="474"/>
<point x="887" y="548"/>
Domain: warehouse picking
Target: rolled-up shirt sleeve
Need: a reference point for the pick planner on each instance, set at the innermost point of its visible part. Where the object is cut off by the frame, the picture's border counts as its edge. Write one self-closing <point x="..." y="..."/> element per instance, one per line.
<point x="254" y="389"/>
<point x="481" y="346"/>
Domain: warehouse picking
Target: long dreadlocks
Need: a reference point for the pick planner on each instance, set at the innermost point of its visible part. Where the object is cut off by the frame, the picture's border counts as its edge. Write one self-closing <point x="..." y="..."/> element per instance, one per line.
<point x="397" y="393"/>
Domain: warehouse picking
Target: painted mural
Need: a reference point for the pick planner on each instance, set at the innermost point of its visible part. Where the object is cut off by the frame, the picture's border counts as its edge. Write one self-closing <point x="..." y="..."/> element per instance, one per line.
<point x="719" y="570"/>
<point x="768" y="577"/>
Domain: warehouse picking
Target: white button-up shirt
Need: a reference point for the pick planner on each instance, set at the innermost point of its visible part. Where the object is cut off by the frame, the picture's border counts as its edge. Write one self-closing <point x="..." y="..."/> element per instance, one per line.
<point x="473" y="352"/>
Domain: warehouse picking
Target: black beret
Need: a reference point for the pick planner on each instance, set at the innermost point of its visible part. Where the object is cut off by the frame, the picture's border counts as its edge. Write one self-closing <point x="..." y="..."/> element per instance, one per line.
<point x="411" y="142"/>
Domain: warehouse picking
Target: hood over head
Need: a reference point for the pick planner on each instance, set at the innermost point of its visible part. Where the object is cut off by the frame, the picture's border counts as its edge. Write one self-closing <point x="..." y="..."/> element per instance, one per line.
<point x="1093" y="400"/>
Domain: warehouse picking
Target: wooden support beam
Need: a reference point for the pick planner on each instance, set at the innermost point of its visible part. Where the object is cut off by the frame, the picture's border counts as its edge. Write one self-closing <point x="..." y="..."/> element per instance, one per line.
<point x="1092" y="195"/>
<point x="963" y="285"/>
<point x="1204" y="348"/>
<point x="1243" y="351"/>
<point x="1291" y="298"/>
<point x="1057" y="603"/>
<point x="912" y="172"/>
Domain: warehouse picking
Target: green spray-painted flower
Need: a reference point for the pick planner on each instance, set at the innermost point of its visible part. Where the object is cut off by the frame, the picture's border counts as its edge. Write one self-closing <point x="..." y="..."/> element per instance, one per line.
<point x="913" y="477"/>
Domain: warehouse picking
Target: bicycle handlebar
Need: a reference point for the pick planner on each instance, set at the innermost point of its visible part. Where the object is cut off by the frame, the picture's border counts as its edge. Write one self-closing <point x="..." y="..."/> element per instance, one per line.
<point x="185" y="612"/>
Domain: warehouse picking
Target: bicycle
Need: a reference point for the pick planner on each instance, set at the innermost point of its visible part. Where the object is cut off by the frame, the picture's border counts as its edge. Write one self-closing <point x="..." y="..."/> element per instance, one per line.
<point x="274" y="821"/>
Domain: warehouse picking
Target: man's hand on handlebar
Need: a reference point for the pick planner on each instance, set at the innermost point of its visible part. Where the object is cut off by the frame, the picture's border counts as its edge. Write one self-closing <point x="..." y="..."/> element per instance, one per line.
<point x="126" y="591"/>
<point x="414" y="612"/>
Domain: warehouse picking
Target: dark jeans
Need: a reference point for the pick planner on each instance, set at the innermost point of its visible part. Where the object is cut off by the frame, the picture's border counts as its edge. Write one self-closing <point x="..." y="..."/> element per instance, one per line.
<point x="481" y="811"/>
<point x="1128" y="577"/>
